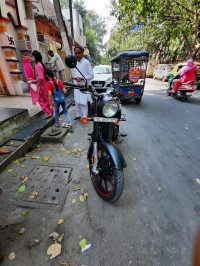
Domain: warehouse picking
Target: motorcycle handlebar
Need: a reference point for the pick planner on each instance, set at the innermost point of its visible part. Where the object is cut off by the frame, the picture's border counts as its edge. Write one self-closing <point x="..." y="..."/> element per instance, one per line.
<point x="73" y="85"/>
<point x="79" y="87"/>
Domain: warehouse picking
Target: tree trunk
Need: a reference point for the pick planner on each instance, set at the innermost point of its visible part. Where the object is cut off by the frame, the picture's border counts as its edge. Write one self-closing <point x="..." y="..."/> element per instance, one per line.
<point x="62" y="27"/>
<point x="187" y="44"/>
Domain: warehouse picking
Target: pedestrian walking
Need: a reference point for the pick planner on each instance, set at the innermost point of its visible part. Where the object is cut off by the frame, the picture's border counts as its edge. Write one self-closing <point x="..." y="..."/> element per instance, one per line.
<point x="29" y="74"/>
<point x="57" y="63"/>
<point x="56" y="91"/>
<point x="82" y="99"/>
<point x="42" y="93"/>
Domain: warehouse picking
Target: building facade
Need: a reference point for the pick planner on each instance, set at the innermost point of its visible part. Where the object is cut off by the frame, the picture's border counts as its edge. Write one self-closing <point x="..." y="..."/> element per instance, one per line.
<point x="27" y="25"/>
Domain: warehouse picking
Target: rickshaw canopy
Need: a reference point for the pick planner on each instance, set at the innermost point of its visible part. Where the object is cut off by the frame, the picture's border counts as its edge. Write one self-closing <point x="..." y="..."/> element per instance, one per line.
<point x="130" y="54"/>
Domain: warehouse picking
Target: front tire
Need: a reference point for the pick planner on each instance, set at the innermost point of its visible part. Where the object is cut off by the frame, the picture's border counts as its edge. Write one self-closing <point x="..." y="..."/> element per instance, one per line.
<point x="109" y="182"/>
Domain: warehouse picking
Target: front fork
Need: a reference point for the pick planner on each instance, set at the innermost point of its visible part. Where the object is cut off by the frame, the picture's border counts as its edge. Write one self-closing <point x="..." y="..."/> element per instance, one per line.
<point x="95" y="138"/>
<point x="95" y="158"/>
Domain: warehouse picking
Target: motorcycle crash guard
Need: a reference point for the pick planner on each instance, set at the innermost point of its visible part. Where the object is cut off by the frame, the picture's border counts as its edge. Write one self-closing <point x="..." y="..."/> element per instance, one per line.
<point x="113" y="151"/>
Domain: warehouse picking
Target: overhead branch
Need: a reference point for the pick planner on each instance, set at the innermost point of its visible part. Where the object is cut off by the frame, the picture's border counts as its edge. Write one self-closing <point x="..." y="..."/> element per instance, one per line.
<point x="184" y="7"/>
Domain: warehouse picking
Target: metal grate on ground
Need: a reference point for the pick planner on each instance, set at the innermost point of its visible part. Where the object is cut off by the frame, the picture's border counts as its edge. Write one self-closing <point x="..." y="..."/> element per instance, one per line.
<point x="50" y="184"/>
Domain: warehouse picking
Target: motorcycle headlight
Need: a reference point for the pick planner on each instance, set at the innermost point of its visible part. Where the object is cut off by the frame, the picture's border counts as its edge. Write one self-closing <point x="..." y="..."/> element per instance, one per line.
<point x="110" y="108"/>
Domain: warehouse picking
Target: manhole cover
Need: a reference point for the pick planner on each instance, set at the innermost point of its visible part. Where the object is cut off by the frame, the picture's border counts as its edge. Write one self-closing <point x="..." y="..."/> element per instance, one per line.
<point x="50" y="184"/>
<point x="54" y="132"/>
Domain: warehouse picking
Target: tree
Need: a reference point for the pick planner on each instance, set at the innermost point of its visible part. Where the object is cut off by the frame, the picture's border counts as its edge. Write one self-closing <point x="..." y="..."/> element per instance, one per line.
<point x="167" y="22"/>
<point x="64" y="4"/>
<point x="94" y="28"/>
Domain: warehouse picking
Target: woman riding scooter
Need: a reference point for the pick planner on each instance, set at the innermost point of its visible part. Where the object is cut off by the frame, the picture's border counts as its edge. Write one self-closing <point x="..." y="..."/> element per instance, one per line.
<point x="188" y="73"/>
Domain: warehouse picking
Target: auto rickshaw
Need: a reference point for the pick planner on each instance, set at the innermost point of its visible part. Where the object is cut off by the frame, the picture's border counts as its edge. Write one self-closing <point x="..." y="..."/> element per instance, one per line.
<point x="129" y="73"/>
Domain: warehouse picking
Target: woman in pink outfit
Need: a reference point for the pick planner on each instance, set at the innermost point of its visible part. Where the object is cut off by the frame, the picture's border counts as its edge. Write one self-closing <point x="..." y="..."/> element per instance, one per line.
<point x="42" y="93"/>
<point x="29" y="74"/>
<point x="188" y="73"/>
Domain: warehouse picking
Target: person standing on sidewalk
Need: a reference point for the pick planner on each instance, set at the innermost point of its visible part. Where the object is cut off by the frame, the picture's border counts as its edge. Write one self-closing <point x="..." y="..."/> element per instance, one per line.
<point x="82" y="99"/>
<point x="29" y="74"/>
<point x="57" y="90"/>
<point x="57" y="63"/>
<point x="42" y="94"/>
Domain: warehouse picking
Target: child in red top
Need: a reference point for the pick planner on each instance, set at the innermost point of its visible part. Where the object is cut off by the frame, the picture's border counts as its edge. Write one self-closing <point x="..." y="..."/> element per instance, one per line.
<point x="54" y="86"/>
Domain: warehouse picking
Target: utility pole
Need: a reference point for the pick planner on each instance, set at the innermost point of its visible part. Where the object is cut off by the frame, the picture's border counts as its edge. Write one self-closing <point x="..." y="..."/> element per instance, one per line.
<point x="72" y="27"/>
<point x="62" y="27"/>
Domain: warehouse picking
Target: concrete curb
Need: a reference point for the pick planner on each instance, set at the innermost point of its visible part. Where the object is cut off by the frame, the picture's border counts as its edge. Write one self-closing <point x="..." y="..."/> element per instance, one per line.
<point x="23" y="148"/>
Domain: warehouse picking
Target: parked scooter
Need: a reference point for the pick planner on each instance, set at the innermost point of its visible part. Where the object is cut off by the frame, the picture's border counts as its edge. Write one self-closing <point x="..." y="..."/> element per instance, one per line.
<point x="183" y="92"/>
<point x="106" y="162"/>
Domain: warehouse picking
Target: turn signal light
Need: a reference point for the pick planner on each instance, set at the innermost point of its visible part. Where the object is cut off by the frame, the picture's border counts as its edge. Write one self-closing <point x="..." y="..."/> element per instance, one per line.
<point x="117" y="122"/>
<point x="84" y="120"/>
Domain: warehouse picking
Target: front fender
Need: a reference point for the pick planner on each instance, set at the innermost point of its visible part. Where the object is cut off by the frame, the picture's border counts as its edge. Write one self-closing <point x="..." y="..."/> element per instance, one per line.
<point x="113" y="151"/>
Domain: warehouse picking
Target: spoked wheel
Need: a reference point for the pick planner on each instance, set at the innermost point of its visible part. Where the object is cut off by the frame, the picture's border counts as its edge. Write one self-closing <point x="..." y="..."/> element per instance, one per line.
<point x="109" y="182"/>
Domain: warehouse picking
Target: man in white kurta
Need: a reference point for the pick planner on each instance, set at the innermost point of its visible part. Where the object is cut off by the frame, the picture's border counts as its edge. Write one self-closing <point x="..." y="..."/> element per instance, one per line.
<point x="82" y="99"/>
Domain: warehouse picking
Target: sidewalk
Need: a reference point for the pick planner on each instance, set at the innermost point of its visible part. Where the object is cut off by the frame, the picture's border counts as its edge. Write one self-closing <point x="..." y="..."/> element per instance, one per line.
<point x="53" y="180"/>
<point x="23" y="102"/>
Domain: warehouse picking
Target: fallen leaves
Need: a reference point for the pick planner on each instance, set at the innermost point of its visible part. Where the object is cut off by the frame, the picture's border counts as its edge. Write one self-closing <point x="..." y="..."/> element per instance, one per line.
<point x="54" y="250"/>
<point x="9" y="170"/>
<point x="75" y="188"/>
<point x="68" y="180"/>
<point x="60" y="238"/>
<point x="45" y="159"/>
<point x="35" y="157"/>
<point x="54" y="235"/>
<point x="21" y="188"/>
<point x="61" y="221"/>
<point x="134" y="159"/>
<point x="23" y="178"/>
<point x="22" y="231"/>
<point x="83" y="243"/>
<point x="198" y="180"/>
<point x="73" y="201"/>
<point x="24" y="213"/>
<point x="11" y="256"/>
<point x="34" y="194"/>
<point x="65" y="263"/>
<point x="19" y="160"/>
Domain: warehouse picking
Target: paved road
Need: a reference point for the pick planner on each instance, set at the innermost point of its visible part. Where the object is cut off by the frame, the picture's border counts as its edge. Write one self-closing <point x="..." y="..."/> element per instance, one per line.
<point x="155" y="221"/>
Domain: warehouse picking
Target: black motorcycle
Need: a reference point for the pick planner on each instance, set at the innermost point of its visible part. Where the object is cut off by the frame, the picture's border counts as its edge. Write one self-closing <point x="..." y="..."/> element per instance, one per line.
<point x="106" y="162"/>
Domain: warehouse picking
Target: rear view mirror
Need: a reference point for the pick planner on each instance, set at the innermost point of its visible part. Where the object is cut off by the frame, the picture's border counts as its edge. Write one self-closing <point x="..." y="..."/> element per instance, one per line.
<point x="70" y="61"/>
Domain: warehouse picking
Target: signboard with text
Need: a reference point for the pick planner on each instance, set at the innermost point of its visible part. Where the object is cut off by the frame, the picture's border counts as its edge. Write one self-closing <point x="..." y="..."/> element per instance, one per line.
<point x="134" y="74"/>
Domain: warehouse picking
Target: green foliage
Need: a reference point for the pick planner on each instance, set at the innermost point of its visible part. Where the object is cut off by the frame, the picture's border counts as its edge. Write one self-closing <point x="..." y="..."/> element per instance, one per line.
<point x="64" y="4"/>
<point x="167" y="24"/>
<point x="92" y="46"/>
<point x="94" y="28"/>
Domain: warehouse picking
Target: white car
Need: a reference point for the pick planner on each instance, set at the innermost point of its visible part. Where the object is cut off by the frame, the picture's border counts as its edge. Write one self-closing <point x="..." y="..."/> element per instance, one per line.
<point x="102" y="78"/>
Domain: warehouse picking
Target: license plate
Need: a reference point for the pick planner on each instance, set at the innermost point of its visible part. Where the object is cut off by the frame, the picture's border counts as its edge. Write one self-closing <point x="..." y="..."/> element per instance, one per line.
<point x="104" y="119"/>
<point x="98" y="85"/>
<point x="130" y="92"/>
